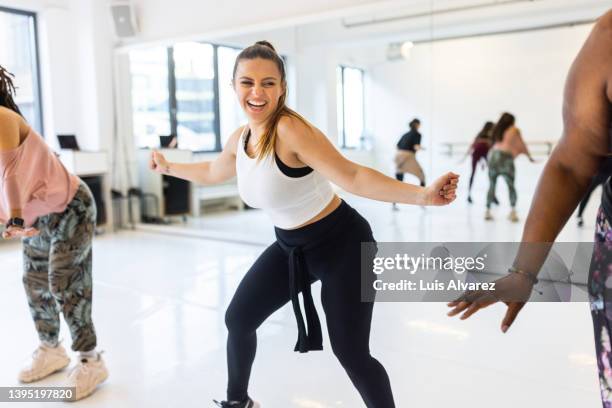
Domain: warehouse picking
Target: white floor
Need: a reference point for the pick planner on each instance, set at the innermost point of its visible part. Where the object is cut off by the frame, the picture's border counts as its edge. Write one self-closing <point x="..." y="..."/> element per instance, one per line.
<point x="160" y="301"/>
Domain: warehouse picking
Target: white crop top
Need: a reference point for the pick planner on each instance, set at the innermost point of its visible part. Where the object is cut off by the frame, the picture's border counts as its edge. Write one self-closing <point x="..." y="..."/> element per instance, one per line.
<point x="288" y="201"/>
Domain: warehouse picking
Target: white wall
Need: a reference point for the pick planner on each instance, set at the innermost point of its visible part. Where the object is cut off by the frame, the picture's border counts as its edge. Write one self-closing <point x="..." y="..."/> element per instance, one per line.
<point x="58" y="70"/>
<point x="455" y="86"/>
<point x="94" y="79"/>
<point x="316" y="88"/>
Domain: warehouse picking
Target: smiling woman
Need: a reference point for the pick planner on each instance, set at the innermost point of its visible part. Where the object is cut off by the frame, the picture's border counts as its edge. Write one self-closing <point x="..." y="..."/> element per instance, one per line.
<point x="284" y="165"/>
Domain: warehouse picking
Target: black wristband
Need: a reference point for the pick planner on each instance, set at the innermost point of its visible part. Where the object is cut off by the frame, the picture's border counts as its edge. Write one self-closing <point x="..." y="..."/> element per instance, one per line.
<point x="15" y="222"/>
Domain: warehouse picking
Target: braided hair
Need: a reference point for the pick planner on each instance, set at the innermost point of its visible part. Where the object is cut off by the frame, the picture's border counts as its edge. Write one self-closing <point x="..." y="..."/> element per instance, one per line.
<point x="7" y="90"/>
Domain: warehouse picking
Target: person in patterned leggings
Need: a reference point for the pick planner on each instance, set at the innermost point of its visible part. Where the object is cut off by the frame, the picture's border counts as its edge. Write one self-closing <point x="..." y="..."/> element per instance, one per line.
<point x="54" y="213"/>
<point x="508" y="144"/>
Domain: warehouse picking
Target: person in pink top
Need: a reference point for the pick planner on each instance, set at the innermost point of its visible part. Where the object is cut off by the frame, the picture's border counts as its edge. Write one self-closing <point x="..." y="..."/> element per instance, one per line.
<point x="54" y="214"/>
<point x="508" y="144"/>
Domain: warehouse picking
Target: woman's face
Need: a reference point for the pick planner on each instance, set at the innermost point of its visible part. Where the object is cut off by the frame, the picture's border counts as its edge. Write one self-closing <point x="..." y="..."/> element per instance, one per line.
<point x="258" y="86"/>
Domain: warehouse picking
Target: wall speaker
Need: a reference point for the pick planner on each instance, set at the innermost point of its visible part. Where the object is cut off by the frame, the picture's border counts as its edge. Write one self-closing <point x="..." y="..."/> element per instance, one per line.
<point x="124" y="18"/>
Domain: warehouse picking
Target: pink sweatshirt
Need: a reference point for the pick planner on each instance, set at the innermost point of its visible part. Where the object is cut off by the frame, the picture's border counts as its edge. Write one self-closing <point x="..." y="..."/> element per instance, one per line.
<point x="32" y="178"/>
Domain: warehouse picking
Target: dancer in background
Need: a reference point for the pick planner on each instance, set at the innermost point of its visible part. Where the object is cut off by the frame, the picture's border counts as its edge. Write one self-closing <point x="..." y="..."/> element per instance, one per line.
<point x="508" y="144"/>
<point x="405" y="158"/>
<point x="479" y="150"/>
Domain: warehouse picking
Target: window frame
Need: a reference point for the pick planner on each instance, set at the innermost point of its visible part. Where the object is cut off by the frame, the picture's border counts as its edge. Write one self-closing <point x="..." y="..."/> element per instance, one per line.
<point x="35" y="65"/>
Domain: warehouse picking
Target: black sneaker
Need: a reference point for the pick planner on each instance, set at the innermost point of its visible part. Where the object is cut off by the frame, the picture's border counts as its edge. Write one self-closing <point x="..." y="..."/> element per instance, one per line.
<point x="470" y="199"/>
<point x="580" y="222"/>
<point x="248" y="403"/>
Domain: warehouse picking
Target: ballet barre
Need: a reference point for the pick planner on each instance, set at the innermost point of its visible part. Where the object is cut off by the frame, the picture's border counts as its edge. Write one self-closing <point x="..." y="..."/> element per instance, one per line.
<point x="536" y="147"/>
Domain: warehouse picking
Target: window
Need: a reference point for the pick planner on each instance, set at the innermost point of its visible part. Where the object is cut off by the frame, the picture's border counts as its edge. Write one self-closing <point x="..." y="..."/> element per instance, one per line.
<point x="351" y="121"/>
<point x="185" y="90"/>
<point x="19" y="55"/>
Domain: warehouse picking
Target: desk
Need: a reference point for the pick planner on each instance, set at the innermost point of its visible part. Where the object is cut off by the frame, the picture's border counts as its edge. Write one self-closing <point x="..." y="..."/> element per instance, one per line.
<point x="93" y="169"/>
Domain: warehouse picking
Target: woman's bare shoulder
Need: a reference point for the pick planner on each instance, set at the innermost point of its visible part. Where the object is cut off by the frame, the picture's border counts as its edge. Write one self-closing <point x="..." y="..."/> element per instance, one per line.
<point x="11" y="125"/>
<point x="292" y="129"/>
<point x="232" y="141"/>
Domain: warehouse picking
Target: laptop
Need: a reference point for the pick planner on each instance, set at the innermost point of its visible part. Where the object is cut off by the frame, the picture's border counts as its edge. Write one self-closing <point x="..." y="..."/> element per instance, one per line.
<point x="68" y="142"/>
<point x="168" y="142"/>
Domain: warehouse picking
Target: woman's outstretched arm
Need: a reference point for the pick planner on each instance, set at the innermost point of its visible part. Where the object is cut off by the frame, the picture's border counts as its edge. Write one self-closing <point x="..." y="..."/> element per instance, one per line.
<point x="314" y="149"/>
<point x="207" y="172"/>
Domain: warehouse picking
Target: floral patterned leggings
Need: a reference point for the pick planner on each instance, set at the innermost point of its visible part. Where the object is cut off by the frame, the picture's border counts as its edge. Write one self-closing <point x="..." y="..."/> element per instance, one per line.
<point x="601" y="304"/>
<point x="57" y="272"/>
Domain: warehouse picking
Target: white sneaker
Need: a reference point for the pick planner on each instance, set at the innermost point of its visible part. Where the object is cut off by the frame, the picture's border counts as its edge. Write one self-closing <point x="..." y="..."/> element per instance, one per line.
<point x="45" y="361"/>
<point x="513" y="216"/>
<point x="488" y="215"/>
<point x="86" y="376"/>
<point x="249" y="403"/>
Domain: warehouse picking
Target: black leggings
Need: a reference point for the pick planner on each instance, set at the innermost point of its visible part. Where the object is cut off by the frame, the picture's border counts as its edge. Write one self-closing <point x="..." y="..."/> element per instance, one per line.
<point x="475" y="160"/>
<point x="336" y="263"/>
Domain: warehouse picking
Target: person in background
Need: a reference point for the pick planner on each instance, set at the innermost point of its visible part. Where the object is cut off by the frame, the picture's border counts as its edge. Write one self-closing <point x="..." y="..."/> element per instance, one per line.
<point x="508" y="144"/>
<point x="405" y="158"/>
<point x="479" y="150"/>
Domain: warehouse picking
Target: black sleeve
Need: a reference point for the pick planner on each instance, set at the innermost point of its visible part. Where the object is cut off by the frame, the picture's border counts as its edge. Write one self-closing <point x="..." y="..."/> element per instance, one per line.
<point x="403" y="141"/>
<point x="417" y="139"/>
<point x="606" y="166"/>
